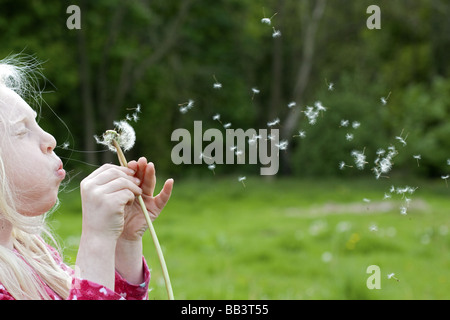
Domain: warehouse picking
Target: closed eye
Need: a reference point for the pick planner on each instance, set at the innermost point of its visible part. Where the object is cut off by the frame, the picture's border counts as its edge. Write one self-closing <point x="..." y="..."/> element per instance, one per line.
<point x="21" y="131"/>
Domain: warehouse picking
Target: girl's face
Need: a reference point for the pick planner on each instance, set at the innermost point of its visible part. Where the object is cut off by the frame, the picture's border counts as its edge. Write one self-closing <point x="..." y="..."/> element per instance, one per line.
<point x="32" y="168"/>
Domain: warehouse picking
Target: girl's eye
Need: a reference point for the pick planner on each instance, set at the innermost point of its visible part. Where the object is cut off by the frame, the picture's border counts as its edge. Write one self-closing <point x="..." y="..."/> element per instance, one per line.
<point x="22" y="131"/>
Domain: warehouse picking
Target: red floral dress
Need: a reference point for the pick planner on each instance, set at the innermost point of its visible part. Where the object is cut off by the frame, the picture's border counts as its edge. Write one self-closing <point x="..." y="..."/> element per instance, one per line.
<point x="82" y="289"/>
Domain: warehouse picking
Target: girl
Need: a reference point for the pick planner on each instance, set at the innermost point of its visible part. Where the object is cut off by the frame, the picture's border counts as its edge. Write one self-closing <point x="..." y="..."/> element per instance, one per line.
<point x="109" y="263"/>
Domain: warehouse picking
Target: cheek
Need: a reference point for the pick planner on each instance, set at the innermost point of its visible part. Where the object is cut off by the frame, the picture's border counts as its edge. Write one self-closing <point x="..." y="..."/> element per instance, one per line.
<point x="34" y="191"/>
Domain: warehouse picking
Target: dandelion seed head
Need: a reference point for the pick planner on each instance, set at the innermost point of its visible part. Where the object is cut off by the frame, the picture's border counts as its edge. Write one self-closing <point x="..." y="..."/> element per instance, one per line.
<point x="123" y="133"/>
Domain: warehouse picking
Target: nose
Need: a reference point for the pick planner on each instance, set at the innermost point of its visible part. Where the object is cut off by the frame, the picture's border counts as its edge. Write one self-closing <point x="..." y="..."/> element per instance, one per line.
<point x="48" y="142"/>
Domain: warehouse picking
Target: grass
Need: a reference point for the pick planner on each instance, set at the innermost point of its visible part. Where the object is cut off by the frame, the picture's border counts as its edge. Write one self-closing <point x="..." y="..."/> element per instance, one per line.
<point x="292" y="239"/>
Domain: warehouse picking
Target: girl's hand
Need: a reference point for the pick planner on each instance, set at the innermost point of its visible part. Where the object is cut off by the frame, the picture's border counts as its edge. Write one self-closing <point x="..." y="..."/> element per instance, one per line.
<point x="135" y="224"/>
<point x="105" y="194"/>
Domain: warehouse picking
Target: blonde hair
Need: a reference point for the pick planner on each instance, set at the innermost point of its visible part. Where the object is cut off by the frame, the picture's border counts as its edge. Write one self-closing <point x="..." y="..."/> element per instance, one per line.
<point x="22" y="271"/>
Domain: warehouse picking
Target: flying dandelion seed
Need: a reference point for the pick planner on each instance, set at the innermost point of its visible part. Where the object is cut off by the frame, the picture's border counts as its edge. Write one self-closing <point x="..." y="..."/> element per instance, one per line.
<point x="417" y="157"/>
<point x="392" y="276"/>
<point x="301" y="134"/>
<point x="319" y="106"/>
<point x="349" y="137"/>
<point x="282" y="145"/>
<point x="385" y="100"/>
<point x="185" y="107"/>
<point x="445" y="179"/>
<point x="448" y="162"/>
<point x="217" y="84"/>
<point x="276" y="33"/>
<point x="401" y="139"/>
<point x="254" y="138"/>
<point x="342" y="165"/>
<point x="356" y="124"/>
<point x="203" y="156"/>
<point x="344" y="123"/>
<point x="329" y="85"/>
<point x="403" y="210"/>
<point x="292" y="104"/>
<point x="273" y="123"/>
<point x="255" y="91"/>
<point x="134" y="116"/>
<point x="216" y="117"/>
<point x="242" y="179"/>
<point x="267" y="21"/>
<point x="212" y="167"/>
<point x="373" y="228"/>
<point x="360" y="159"/>
<point x="227" y="125"/>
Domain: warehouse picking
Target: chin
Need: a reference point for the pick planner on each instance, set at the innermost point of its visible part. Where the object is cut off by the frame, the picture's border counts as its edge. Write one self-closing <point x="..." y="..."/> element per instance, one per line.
<point x="39" y="207"/>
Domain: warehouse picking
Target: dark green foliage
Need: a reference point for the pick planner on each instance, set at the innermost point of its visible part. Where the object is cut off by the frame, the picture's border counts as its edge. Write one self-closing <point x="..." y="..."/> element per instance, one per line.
<point x="161" y="53"/>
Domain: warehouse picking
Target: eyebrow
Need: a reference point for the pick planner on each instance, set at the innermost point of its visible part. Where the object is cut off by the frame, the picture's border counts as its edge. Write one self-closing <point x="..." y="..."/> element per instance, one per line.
<point x="24" y="117"/>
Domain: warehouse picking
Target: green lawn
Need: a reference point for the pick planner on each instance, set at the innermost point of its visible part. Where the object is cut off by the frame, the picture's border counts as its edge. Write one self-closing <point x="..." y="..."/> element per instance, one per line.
<point x="292" y="239"/>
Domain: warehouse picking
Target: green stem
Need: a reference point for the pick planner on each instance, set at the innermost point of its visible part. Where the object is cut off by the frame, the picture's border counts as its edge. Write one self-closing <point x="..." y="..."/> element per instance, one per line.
<point x="124" y="163"/>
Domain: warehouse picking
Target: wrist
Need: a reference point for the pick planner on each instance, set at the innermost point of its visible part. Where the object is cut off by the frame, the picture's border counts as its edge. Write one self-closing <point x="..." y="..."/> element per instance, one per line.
<point x="128" y="260"/>
<point x="95" y="259"/>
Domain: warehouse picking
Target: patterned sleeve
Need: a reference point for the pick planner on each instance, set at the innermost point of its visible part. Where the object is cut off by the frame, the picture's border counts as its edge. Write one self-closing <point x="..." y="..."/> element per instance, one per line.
<point x="83" y="289"/>
<point x="4" y="294"/>
<point x="87" y="290"/>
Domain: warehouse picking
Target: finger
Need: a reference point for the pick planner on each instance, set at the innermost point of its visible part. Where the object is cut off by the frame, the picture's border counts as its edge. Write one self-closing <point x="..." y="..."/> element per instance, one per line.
<point x="123" y="197"/>
<point x="163" y="197"/>
<point x="133" y="165"/>
<point x="122" y="183"/>
<point x="140" y="167"/>
<point x="109" y="167"/>
<point x="149" y="180"/>
<point x="112" y="174"/>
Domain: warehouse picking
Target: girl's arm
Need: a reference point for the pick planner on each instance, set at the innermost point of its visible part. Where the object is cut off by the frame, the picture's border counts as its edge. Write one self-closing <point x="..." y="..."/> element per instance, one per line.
<point x="129" y="245"/>
<point x="104" y="194"/>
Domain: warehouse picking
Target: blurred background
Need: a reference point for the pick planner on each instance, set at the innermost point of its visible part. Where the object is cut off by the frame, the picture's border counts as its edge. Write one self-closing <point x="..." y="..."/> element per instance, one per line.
<point x="280" y="237"/>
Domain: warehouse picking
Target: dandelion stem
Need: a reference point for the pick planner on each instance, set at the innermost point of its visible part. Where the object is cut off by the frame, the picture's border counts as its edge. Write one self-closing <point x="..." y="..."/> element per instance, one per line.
<point x="124" y="163"/>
